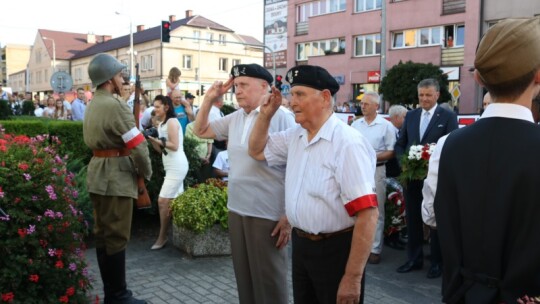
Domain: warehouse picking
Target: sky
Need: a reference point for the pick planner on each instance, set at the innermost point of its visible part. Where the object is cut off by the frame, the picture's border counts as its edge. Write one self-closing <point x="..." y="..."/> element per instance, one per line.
<point x="20" y="19"/>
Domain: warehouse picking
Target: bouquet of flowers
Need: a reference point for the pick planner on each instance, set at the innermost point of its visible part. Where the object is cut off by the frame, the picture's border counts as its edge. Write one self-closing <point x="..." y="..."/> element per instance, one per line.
<point x="394" y="214"/>
<point x="414" y="164"/>
<point x="42" y="229"/>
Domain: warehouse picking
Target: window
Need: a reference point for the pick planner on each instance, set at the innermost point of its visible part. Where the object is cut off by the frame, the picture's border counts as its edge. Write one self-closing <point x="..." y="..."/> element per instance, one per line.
<point x="31" y="78"/>
<point x="236" y="62"/>
<point x="317" y="8"/>
<point x="125" y="62"/>
<point x="404" y="39"/>
<point x="454" y="35"/>
<point x="367" y="5"/>
<point x="78" y="74"/>
<point x="186" y="62"/>
<point x="196" y="36"/>
<point x="367" y="45"/>
<point x="46" y="76"/>
<point x="223" y="65"/>
<point x="222" y="39"/>
<point x="210" y="38"/>
<point x="38" y="77"/>
<point x="320" y="48"/>
<point x="147" y="62"/>
<point x="430" y="36"/>
<point x="38" y="56"/>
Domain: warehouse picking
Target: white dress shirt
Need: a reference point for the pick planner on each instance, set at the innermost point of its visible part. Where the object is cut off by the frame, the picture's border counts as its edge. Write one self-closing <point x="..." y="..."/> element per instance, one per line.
<point x="328" y="179"/>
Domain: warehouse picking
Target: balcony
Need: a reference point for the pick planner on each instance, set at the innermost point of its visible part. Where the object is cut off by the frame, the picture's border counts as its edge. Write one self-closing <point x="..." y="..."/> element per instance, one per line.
<point x="452" y="56"/>
<point x="302" y="28"/>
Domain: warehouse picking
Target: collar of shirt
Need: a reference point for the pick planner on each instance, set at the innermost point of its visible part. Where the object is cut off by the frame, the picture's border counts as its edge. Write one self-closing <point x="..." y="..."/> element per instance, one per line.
<point x="325" y="132"/>
<point x="431" y="111"/>
<point x="378" y="120"/>
<point x="508" y="110"/>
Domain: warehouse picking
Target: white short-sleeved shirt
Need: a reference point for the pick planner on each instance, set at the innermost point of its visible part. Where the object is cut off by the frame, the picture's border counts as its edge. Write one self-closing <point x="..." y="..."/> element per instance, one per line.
<point x="380" y="133"/>
<point x="222" y="163"/>
<point x="328" y="179"/>
<point x="255" y="189"/>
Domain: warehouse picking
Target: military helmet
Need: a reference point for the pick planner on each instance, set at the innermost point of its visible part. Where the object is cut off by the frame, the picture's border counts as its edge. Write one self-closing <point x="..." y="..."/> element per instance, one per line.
<point x="103" y="67"/>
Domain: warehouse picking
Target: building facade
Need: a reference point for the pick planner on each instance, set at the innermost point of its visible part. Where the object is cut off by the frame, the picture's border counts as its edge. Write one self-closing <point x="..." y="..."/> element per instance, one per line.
<point x="357" y="41"/>
<point x="13" y="59"/>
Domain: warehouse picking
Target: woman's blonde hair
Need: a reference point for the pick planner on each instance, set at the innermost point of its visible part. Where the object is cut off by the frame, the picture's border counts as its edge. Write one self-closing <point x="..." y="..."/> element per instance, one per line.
<point x="174" y="74"/>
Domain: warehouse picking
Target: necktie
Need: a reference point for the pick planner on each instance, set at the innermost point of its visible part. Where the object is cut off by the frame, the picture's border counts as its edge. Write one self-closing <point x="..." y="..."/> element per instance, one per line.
<point x="424" y="124"/>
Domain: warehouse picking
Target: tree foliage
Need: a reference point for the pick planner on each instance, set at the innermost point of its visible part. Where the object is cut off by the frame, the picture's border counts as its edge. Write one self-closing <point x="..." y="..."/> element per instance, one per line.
<point x="399" y="84"/>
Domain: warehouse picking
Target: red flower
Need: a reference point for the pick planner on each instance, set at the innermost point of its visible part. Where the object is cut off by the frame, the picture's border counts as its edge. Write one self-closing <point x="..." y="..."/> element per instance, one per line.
<point x="58" y="253"/>
<point x="8" y="297"/>
<point x="43" y="243"/>
<point x="70" y="291"/>
<point x="50" y="227"/>
<point x="425" y="155"/>
<point x="23" y="166"/>
<point x="34" y="278"/>
<point x="59" y="264"/>
<point x="22" y="232"/>
<point x="64" y="299"/>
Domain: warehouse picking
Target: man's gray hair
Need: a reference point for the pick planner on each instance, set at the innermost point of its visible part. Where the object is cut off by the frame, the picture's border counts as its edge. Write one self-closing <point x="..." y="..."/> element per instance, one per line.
<point x="375" y="96"/>
<point x="397" y="110"/>
<point x="429" y="82"/>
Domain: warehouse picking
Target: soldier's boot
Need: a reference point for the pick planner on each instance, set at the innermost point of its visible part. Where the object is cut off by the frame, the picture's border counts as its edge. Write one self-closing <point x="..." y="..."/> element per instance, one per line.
<point x="101" y="254"/>
<point x="116" y="272"/>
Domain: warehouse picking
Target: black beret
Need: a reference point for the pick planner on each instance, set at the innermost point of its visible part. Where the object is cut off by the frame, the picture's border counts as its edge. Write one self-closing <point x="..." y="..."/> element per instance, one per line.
<point x="189" y="96"/>
<point x="312" y="76"/>
<point x="251" y="70"/>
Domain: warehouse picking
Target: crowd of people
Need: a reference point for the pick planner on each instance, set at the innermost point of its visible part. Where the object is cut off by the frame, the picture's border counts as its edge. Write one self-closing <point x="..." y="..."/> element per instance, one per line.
<point x="319" y="182"/>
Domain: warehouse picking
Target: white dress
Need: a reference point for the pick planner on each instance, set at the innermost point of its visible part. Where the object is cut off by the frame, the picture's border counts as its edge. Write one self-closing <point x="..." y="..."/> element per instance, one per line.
<point x="175" y="164"/>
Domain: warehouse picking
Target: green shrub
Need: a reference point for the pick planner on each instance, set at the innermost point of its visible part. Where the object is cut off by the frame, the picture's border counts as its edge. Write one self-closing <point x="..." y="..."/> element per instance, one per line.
<point x="28" y="108"/>
<point x="201" y="206"/>
<point x="42" y="228"/>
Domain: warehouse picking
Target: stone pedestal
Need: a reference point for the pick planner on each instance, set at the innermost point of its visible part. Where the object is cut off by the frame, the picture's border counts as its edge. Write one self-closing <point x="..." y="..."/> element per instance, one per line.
<point x="213" y="242"/>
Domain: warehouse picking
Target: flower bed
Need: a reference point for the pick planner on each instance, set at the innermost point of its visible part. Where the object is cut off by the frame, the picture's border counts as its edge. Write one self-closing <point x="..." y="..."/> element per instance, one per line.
<point x="41" y="228"/>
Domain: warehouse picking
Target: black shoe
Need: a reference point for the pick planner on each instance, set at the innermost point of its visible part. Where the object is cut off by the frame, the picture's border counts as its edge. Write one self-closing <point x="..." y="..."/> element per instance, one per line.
<point x="434" y="271"/>
<point x="118" y="292"/>
<point x="409" y="266"/>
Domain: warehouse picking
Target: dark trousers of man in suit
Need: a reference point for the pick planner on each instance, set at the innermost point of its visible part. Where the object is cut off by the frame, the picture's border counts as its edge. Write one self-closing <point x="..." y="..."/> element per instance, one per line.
<point x="415" y="225"/>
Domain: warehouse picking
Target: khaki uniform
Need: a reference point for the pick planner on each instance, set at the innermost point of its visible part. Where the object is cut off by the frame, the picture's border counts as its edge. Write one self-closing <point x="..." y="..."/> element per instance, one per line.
<point x="109" y="124"/>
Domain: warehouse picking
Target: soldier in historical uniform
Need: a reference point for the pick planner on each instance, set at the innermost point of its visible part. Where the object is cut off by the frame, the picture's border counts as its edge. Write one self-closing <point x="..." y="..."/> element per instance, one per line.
<point x="120" y="153"/>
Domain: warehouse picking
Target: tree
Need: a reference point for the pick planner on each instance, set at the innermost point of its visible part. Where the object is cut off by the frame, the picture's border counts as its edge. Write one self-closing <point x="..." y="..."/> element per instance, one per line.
<point x="399" y="84"/>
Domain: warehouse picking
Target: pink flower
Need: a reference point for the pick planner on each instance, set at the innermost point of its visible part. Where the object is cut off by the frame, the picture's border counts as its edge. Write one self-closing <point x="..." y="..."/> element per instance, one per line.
<point x="34" y="278"/>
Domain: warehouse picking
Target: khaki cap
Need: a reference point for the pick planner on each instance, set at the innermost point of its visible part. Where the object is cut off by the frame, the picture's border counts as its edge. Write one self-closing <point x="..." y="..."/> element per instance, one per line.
<point x="509" y="50"/>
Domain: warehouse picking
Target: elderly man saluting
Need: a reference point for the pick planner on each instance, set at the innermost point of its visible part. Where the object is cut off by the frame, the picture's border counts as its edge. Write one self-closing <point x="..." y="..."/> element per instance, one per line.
<point x="258" y="227"/>
<point x="329" y="188"/>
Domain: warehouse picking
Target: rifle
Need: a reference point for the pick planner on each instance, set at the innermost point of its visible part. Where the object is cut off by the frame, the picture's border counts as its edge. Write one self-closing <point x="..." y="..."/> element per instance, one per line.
<point x="143" y="200"/>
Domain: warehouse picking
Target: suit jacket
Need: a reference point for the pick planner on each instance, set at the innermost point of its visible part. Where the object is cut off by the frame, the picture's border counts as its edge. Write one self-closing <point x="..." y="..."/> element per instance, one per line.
<point x="442" y="123"/>
<point x="487" y="207"/>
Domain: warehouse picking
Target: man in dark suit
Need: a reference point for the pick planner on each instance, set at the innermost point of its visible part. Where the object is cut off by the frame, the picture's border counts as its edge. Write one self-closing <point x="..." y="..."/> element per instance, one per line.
<point x="422" y="126"/>
<point x="486" y="202"/>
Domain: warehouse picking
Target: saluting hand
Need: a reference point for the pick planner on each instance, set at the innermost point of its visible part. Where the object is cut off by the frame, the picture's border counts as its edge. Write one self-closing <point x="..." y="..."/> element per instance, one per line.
<point x="270" y="103"/>
<point x="218" y="89"/>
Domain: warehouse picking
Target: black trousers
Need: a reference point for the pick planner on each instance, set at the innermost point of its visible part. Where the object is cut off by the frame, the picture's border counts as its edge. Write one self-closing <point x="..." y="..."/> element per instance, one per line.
<point x="318" y="266"/>
<point x="415" y="226"/>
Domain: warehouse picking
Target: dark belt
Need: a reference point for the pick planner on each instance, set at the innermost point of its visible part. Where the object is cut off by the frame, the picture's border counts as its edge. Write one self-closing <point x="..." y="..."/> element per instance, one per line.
<point x="111" y="152"/>
<point x="381" y="164"/>
<point x="321" y="236"/>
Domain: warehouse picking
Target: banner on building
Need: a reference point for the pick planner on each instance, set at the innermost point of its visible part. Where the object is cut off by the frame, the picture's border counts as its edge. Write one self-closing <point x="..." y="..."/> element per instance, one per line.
<point x="275" y="33"/>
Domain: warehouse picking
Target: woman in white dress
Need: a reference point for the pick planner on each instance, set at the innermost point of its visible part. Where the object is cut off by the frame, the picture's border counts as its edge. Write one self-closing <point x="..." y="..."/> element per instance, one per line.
<point x="170" y="143"/>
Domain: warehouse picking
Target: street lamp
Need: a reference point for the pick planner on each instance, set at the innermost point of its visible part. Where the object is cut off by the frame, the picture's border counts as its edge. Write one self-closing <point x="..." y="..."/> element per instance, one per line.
<point x="131" y="61"/>
<point x="54" y="52"/>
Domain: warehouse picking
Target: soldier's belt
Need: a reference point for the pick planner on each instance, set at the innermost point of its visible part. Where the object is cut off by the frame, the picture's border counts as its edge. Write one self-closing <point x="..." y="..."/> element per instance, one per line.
<point x="111" y="152"/>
